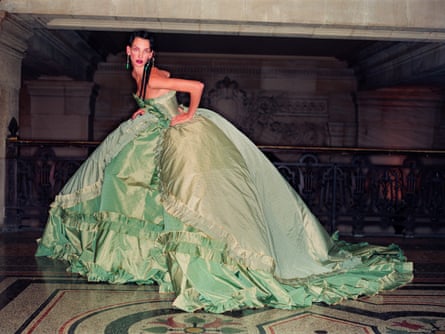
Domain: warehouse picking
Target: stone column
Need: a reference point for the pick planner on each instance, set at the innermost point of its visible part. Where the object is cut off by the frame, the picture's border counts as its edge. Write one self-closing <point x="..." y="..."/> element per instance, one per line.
<point x="13" y="36"/>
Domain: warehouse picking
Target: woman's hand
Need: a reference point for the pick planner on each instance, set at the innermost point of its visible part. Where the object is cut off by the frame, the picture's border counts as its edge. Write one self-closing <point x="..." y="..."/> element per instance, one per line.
<point x="181" y="118"/>
<point x="137" y="113"/>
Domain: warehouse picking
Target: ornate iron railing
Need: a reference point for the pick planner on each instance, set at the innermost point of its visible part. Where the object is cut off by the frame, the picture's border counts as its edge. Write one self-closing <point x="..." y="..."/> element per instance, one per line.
<point x="356" y="191"/>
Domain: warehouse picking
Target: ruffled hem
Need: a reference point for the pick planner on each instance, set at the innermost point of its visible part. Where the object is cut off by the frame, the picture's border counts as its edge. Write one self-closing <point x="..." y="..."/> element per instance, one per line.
<point x="253" y="260"/>
<point x="86" y="241"/>
<point x="255" y="288"/>
<point x="85" y="194"/>
<point x="200" y="271"/>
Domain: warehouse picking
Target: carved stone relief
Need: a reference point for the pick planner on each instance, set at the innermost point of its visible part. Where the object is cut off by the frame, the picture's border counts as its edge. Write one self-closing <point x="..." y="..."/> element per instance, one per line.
<point x="272" y="118"/>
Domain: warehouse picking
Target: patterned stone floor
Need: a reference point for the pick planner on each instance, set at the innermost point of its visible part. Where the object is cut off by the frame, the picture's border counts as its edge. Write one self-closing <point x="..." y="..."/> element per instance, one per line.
<point x="38" y="296"/>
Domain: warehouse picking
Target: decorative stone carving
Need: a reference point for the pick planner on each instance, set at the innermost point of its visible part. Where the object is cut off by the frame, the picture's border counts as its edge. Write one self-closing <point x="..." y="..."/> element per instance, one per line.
<point x="271" y="119"/>
<point x="229" y="100"/>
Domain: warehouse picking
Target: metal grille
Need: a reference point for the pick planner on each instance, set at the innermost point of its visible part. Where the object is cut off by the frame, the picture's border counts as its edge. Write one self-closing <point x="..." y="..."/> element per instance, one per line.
<point x="345" y="188"/>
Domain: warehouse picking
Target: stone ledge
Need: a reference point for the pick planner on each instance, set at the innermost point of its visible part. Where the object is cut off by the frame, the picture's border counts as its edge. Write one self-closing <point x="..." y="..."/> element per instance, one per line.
<point x="364" y="19"/>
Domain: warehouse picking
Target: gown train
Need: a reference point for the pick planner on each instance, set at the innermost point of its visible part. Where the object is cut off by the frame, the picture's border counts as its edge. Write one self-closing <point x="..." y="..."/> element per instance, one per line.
<point x="198" y="210"/>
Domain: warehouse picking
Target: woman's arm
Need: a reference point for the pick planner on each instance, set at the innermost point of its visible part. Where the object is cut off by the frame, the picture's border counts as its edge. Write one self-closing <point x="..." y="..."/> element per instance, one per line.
<point x="193" y="87"/>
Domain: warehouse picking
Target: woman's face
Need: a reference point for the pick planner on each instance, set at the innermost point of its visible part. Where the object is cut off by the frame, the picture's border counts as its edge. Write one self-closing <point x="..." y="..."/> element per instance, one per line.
<point x="140" y="52"/>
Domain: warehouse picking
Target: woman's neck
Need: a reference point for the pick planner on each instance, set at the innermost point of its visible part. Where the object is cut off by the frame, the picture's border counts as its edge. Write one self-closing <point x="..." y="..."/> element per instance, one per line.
<point x="137" y="75"/>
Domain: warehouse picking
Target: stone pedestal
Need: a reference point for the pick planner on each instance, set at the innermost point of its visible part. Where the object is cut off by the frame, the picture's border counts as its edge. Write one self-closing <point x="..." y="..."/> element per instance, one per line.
<point x="58" y="109"/>
<point x="404" y="118"/>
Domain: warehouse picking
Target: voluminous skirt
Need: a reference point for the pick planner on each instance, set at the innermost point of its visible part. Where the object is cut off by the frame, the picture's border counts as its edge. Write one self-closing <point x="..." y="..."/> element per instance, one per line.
<point x="200" y="211"/>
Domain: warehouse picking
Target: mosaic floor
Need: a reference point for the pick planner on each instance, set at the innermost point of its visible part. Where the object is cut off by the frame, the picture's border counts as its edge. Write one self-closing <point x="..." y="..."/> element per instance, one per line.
<point x="38" y="296"/>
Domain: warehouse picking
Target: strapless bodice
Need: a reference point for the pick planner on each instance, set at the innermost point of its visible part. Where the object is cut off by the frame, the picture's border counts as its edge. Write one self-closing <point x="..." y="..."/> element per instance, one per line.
<point x="164" y="106"/>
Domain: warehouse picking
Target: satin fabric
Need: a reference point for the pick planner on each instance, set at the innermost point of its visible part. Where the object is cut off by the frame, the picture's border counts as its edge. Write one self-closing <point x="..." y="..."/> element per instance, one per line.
<point x="200" y="211"/>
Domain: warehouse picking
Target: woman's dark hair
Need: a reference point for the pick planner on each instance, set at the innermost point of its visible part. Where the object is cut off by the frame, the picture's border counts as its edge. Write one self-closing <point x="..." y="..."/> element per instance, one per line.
<point x="147" y="68"/>
<point x="144" y="35"/>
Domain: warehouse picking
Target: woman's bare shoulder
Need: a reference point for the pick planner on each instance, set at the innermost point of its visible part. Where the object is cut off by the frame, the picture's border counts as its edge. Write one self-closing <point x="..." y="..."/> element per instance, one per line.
<point x="161" y="73"/>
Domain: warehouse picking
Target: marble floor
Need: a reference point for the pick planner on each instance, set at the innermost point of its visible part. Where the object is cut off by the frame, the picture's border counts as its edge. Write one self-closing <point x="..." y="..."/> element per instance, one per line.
<point x="37" y="295"/>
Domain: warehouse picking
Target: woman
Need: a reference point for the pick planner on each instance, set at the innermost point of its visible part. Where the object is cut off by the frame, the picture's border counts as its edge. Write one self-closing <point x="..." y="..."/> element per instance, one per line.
<point x="179" y="197"/>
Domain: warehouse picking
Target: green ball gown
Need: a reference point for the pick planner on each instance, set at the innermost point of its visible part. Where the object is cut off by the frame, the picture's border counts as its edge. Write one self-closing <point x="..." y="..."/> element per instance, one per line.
<point x="198" y="210"/>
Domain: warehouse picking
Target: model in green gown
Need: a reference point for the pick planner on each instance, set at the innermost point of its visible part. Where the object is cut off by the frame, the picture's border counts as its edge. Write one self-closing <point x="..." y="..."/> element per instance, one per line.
<point x="198" y="210"/>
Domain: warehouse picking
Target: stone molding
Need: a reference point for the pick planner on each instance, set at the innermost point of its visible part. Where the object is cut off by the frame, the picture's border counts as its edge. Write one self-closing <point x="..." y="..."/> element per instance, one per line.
<point x="13" y="44"/>
<point x="13" y="35"/>
<point x="354" y="19"/>
<point x="71" y="54"/>
<point x="401" y="63"/>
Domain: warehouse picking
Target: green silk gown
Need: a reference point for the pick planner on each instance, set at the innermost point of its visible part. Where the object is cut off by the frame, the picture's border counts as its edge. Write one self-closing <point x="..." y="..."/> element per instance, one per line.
<point x="198" y="210"/>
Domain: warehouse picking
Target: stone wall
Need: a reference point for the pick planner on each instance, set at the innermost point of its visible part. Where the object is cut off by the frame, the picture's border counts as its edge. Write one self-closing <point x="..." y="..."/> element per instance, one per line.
<point x="274" y="100"/>
<point x="407" y="118"/>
